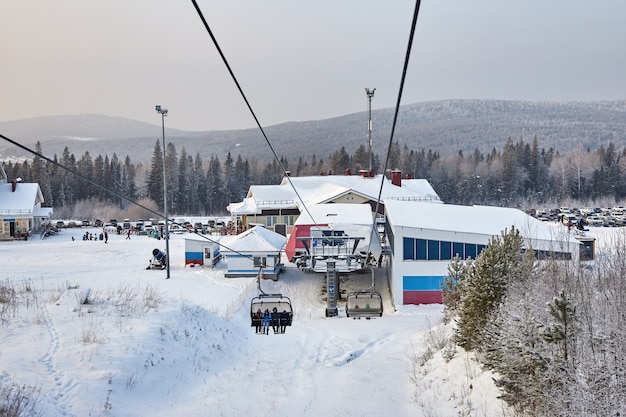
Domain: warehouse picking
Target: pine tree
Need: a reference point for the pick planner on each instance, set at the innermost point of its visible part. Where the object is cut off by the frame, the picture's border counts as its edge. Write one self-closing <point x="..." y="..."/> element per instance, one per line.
<point x="562" y="331"/>
<point x="450" y="292"/>
<point x="84" y="166"/>
<point x="154" y="183"/>
<point x="215" y="187"/>
<point x="129" y="187"/>
<point x="200" y="186"/>
<point x="485" y="286"/>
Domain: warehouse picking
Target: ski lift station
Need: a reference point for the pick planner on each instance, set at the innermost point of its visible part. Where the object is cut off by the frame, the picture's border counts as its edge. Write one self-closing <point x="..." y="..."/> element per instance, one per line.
<point x="340" y="232"/>
<point x="256" y="246"/>
<point x="331" y="220"/>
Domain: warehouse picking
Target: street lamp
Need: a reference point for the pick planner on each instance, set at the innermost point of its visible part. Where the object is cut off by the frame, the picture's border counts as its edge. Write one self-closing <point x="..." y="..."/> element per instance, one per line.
<point x="163" y="113"/>
<point x="370" y="94"/>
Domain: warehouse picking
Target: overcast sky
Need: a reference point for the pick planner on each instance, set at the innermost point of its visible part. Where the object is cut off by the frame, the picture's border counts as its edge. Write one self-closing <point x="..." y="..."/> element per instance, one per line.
<point x="299" y="60"/>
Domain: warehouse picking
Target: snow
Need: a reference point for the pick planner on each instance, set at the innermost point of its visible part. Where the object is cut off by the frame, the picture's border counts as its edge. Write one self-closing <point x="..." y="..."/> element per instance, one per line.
<point x="147" y="346"/>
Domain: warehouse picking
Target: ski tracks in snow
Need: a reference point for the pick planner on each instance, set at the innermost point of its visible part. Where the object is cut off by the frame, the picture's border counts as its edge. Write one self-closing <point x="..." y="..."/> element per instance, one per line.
<point x="62" y="385"/>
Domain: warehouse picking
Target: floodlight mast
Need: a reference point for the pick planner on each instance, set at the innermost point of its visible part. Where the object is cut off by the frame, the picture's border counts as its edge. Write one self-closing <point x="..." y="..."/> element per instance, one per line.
<point x="370" y="95"/>
<point x="163" y="113"/>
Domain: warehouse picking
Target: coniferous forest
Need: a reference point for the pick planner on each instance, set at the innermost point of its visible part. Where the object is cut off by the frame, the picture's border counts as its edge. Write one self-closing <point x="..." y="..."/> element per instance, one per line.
<point x="521" y="174"/>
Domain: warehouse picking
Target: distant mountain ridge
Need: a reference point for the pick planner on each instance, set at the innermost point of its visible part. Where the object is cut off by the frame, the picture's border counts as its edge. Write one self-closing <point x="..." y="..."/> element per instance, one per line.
<point x="447" y="126"/>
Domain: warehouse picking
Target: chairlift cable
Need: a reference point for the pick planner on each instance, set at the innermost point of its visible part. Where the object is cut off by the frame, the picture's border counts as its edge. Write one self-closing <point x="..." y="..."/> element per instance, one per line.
<point x="245" y="99"/>
<point x="396" y="111"/>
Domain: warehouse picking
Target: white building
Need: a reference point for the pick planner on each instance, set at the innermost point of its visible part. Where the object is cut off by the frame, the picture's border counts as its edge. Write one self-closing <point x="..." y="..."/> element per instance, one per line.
<point x="423" y="238"/>
<point x="201" y="250"/>
<point x="245" y="250"/>
<point x="21" y="213"/>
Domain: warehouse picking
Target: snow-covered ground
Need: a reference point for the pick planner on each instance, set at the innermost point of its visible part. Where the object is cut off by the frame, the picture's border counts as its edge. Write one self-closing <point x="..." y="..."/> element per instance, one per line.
<point x="147" y="346"/>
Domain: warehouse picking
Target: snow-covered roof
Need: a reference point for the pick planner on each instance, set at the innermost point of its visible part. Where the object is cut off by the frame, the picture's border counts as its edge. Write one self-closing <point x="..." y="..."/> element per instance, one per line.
<point x="323" y="189"/>
<point x="484" y="220"/>
<point x="22" y="201"/>
<point x="272" y="196"/>
<point x="201" y="238"/>
<point x="247" y="206"/>
<point x="257" y="239"/>
<point x="337" y="214"/>
<point x="410" y="189"/>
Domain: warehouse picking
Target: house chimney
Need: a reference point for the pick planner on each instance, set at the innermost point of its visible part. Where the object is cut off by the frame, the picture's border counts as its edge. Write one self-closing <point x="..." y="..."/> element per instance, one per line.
<point x="287" y="173"/>
<point x="407" y="176"/>
<point x="330" y="172"/>
<point x="13" y="185"/>
<point x="396" y="177"/>
<point x="347" y="171"/>
<point x="363" y="173"/>
<point x="372" y="173"/>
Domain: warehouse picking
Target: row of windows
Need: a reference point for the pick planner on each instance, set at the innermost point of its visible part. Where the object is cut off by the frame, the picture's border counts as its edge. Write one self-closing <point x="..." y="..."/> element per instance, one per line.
<point x="273" y="220"/>
<point x="438" y="250"/>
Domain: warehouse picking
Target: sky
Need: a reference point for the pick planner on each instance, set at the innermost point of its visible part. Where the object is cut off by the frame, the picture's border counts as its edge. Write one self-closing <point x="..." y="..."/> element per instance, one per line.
<point x="299" y="61"/>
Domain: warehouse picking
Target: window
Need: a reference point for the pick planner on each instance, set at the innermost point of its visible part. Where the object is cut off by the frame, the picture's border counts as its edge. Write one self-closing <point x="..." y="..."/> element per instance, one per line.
<point x="433" y="250"/>
<point x="458" y="249"/>
<point x="409" y="248"/>
<point x="288" y="220"/>
<point x="446" y="251"/>
<point x="271" y="220"/>
<point x="421" y="249"/>
<point x="470" y="250"/>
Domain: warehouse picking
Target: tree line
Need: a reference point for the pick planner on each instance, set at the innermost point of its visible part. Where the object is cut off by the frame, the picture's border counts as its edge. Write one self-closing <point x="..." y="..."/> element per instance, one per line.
<point x="521" y="174"/>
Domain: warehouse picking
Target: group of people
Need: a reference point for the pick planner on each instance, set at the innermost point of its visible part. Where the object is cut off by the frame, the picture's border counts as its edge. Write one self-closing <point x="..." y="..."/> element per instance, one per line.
<point x="91" y="236"/>
<point x="277" y="320"/>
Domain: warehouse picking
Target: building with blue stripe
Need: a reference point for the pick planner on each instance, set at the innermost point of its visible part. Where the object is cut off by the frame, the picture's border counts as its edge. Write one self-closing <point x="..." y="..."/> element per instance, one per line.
<point x="424" y="237"/>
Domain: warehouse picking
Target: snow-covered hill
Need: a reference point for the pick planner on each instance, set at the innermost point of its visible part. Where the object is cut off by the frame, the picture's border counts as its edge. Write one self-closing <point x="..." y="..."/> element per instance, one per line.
<point x="446" y="126"/>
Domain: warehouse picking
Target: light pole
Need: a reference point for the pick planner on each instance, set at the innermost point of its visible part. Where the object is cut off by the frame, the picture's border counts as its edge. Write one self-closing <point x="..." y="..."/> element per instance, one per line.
<point x="370" y="94"/>
<point x="163" y="113"/>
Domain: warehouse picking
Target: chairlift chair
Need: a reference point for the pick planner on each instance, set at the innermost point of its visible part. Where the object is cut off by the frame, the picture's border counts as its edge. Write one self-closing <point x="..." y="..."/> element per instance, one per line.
<point x="265" y="301"/>
<point x="269" y="302"/>
<point x="364" y="303"/>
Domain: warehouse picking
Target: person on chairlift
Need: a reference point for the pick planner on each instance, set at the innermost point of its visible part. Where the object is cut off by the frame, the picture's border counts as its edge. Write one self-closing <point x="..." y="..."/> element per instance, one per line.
<point x="284" y="317"/>
<point x="275" y="320"/>
<point x="266" y="321"/>
<point x="259" y="318"/>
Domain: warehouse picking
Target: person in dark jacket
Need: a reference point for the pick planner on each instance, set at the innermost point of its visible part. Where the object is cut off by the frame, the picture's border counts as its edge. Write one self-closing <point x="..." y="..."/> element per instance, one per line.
<point x="275" y="320"/>
<point x="284" y="319"/>
<point x="258" y="316"/>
